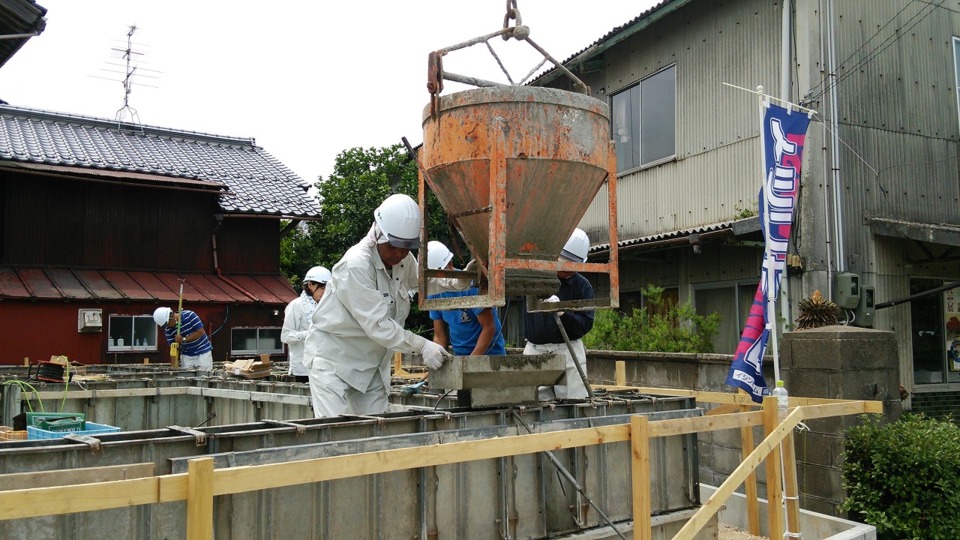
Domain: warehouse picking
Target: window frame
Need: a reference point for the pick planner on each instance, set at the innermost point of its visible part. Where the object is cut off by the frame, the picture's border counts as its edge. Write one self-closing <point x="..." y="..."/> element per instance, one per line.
<point x="258" y="351"/>
<point x="146" y="322"/>
<point x="638" y="164"/>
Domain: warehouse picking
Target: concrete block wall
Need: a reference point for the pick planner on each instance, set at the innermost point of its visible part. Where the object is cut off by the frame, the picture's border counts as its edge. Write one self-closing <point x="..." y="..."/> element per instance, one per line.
<point x="837" y="362"/>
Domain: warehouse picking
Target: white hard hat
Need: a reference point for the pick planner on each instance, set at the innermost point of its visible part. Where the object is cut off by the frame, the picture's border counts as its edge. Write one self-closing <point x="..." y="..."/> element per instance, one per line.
<point x="161" y="315"/>
<point x="399" y="219"/>
<point x="438" y="256"/>
<point x="576" y="247"/>
<point x="318" y="274"/>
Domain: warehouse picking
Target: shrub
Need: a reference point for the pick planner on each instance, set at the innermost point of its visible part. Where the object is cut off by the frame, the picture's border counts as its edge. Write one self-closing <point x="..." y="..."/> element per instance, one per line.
<point x="904" y="477"/>
<point x="662" y="326"/>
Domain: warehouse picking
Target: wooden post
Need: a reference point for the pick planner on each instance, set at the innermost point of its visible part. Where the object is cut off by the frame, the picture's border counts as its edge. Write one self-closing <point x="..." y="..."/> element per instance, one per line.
<point x="774" y="485"/>
<point x="620" y="377"/>
<point x="200" y="499"/>
<point x="26" y="361"/>
<point x="640" y="447"/>
<point x="397" y="362"/>
<point x="792" y="495"/>
<point x="750" y="484"/>
<point x="146" y="359"/>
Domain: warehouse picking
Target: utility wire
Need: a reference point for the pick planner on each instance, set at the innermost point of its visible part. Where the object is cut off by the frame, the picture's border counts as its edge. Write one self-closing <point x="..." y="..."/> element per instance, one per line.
<point x="871" y="55"/>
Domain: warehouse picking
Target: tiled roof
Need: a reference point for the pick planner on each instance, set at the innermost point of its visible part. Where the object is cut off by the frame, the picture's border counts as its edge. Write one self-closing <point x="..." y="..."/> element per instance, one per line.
<point x="255" y="182"/>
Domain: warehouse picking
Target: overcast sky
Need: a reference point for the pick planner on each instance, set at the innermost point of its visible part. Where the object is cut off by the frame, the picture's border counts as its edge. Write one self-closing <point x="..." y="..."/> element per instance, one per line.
<point x="305" y="78"/>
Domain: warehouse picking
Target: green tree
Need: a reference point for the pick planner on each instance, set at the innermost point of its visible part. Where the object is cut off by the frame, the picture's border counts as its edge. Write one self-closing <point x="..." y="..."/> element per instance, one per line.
<point x="362" y="178"/>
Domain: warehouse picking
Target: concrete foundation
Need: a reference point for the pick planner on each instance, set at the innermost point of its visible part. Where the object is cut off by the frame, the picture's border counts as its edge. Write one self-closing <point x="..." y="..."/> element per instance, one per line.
<point x="522" y="496"/>
<point x="498" y="380"/>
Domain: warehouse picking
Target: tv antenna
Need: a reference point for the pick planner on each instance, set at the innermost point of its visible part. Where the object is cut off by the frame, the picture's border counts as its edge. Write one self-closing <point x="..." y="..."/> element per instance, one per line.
<point x="131" y="74"/>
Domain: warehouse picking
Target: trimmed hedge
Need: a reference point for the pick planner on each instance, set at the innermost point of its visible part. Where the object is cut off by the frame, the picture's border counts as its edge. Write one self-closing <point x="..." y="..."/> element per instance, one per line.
<point x="904" y="477"/>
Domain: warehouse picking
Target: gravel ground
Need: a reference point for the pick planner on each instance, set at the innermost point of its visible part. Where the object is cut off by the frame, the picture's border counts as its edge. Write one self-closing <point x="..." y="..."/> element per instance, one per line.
<point x="732" y="533"/>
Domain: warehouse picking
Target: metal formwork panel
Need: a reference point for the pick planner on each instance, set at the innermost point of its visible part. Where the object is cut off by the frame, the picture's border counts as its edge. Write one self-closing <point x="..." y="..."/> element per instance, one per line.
<point x="512" y="497"/>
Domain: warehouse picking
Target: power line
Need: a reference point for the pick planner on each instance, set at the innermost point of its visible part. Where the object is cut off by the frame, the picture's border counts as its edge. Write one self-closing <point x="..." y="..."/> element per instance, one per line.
<point x="871" y="55"/>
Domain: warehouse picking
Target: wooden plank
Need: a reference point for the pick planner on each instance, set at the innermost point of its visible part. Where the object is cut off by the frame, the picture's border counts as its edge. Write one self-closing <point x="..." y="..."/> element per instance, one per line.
<point x="292" y="473"/>
<point x="726" y="408"/>
<point x="200" y="499"/>
<point x="843" y="408"/>
<point x="683" y="426"/>
<point x="640" y="479"/>
<point x="620" y="373"/>
<point x="112" y="393"/>
<point x="774" y="478"/>
<point x="750" y="483"/>
<point x="790" y="487"/>
<point x="705" y="397"/>
<point x="752" y="461"/>
<point x="743" y="398"/>
<point x="52" y="501"/>
<point x="89" y="475"/>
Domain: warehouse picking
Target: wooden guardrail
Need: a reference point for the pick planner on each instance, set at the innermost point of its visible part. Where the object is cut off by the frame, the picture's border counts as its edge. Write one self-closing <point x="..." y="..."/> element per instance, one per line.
<point x="202" y="482"/>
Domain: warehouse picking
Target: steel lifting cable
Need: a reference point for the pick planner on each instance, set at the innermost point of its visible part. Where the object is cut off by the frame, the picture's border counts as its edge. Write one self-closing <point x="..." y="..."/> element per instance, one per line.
<point x="436" y="74"/>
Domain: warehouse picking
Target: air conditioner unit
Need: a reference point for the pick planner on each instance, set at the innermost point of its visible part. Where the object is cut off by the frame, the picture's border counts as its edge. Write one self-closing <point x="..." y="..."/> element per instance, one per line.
<point x="90" y="320"/>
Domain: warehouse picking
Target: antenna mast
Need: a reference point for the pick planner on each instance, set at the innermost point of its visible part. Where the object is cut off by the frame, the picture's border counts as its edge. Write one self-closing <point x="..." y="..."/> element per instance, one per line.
<point x="128" y="80"/>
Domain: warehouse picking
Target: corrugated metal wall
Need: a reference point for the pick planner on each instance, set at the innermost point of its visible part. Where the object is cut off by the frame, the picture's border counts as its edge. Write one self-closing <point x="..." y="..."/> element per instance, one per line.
<point x="717" y="169"/>
<point x="898" y="123"/>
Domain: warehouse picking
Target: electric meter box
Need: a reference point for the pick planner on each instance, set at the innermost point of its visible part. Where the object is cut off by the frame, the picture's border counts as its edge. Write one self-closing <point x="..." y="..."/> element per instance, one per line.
<point x="865" y="309"/>
<point x="89" y="320"/>
<point x="848" y="290"/>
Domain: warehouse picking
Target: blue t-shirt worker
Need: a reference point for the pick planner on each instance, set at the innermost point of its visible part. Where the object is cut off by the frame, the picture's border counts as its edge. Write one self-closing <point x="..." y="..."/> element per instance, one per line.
<point x="469" y="331"/>
<point x="196" y="352"/>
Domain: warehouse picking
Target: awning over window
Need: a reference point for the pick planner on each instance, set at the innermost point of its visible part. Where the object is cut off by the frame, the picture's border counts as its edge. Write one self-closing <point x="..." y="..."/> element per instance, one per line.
<point x="47" y="283"/>
<point x="936" y="233"/>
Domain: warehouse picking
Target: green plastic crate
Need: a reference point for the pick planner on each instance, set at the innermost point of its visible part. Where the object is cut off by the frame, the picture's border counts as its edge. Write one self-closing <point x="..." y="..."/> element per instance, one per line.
<point x="57" y="421"/>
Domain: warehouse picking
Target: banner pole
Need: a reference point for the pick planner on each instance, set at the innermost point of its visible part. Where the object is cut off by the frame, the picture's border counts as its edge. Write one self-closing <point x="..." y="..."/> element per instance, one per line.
<point x="769" y="267"/>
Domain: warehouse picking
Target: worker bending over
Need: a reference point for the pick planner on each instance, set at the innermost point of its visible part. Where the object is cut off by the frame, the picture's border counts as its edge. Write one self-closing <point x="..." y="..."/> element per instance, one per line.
<point x="196" y="352"/>
<point x="359" y="322"/>
<point x="296" y="320"/>
<point x="543" y="335"/>
<point x="469" y="331"/>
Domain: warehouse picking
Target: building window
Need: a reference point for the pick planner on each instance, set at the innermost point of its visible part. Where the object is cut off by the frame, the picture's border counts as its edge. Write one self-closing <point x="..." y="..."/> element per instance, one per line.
<point x="132" y="333"/>
<point x="935" y="322"/>
<point x="956" y="67"/>
<point x="644" y="121"/>
<point x="732" y="300"/>
<point x="255" y="340"/>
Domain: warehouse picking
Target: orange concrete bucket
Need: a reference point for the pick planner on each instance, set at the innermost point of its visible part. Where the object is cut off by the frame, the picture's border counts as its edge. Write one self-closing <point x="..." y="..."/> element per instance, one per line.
<point x="542" y="152"/>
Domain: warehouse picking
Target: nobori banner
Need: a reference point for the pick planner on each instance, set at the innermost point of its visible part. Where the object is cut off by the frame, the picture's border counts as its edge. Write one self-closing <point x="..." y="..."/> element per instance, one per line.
<point x="783" y="135"/>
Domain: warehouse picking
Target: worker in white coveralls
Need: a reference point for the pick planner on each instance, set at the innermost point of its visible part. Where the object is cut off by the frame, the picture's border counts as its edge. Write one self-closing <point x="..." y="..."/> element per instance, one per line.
<point x="359" y="322"/>
<point x="543" y="335"/>
<point x="296" y="320"/>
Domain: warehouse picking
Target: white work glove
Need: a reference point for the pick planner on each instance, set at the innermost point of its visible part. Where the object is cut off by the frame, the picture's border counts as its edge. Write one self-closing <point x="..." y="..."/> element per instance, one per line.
<point x="433" y="355"/>
<point x="554" y="299"/>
